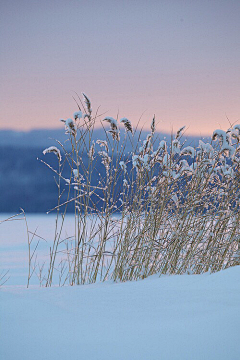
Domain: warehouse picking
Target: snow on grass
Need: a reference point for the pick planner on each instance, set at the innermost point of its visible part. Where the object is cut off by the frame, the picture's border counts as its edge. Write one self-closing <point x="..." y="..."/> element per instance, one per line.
<point x="178" y="205"/>
<point x="172" y="317"/>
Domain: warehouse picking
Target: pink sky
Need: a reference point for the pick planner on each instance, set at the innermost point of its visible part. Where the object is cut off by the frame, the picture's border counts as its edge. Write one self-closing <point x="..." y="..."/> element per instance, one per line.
<point x="177" y="59"/>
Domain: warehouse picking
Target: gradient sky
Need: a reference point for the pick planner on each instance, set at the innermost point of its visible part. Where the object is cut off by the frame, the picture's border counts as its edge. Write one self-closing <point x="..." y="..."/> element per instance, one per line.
<point x="177" y="59"/>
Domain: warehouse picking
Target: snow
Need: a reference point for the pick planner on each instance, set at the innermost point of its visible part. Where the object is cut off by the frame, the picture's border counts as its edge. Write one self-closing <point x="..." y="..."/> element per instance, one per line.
<point x="14" y="248"/>
<point x="112" y="122"/>
<point x="172" y="317"/>
<point x="54" y="150"/>
<point x="77" y="115"/>
<point x="69" y="126"/>
<point x="127" y="124"/>
<point x="237" y="127"/>
<point x="189" y="150"/>
<point x="123" y="166"/>
<point x="184" y="317"/>
<point x="219" y="133"/>
<point x="175" y="146"/>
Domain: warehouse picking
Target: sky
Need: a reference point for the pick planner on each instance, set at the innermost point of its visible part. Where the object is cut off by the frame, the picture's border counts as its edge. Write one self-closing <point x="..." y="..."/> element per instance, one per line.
<point x="179" y="60"/>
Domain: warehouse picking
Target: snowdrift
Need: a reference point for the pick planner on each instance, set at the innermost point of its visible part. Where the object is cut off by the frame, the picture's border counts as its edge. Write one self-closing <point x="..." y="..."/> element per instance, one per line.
<point x="172" y="317"/>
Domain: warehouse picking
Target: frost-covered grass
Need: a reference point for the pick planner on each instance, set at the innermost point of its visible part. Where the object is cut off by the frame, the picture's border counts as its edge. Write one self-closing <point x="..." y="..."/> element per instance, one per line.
<point x="166" y="209"/>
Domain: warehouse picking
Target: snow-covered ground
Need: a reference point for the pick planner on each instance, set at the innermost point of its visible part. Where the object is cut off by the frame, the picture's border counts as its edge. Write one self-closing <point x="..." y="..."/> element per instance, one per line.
<point x="193" y="317"/>
<point x="173" y="317"/>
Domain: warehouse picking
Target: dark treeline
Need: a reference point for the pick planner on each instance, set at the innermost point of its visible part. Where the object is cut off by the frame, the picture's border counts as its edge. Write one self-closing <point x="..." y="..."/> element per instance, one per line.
<point x="27" y="183"/>
<point x="24" y="181"/>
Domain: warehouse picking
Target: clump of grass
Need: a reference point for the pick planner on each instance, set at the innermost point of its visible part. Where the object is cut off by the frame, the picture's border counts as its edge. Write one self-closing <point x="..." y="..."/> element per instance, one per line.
<point x="162" y="208"/>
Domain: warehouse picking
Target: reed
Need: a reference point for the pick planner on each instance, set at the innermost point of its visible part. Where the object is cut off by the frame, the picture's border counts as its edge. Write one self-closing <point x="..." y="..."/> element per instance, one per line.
<point x="162" y="208"/>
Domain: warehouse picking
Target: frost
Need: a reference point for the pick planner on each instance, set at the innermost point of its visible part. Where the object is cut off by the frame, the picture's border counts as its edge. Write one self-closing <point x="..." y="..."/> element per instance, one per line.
<point x="123" y="166"/>
<point x="163" y="145"/>
<point x="105" y="159"/>
<point x="237" y="127"/>
<point x="135" y="160"/>
<point x="174" y="198"/>
<point x="229" y="149"/>
<point x="194" y="166"/>
<point x="175" y="147"/>
<point x="147" y="146"/>
<point x="103" y="143"/>
<point x="189" y="150"/>
<point x="166" y="159"/>
<point x="69" y="126"/>
<point x="54" y="150"/>
<point x="115" y="134"/>
<point x="77" y="115"/>
<point x="220" y="134"/>
<point x="207" y="148"/>
<point x="91" y="151"/>
<point x="184" y="166"/>
<point x="226" y="170"/>
<point x="112" y="122"/>
<point x="75" y="173"/>
<point x="145" y="161"/>
<point x="77" y="176"/>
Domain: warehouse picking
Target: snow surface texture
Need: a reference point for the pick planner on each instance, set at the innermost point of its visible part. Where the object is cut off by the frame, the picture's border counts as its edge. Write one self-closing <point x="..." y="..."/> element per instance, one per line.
<point x="173" y="317"/>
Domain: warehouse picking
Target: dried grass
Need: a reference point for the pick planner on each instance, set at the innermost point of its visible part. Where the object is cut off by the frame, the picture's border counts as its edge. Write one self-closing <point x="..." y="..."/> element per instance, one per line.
<point x="177" y="210"/>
